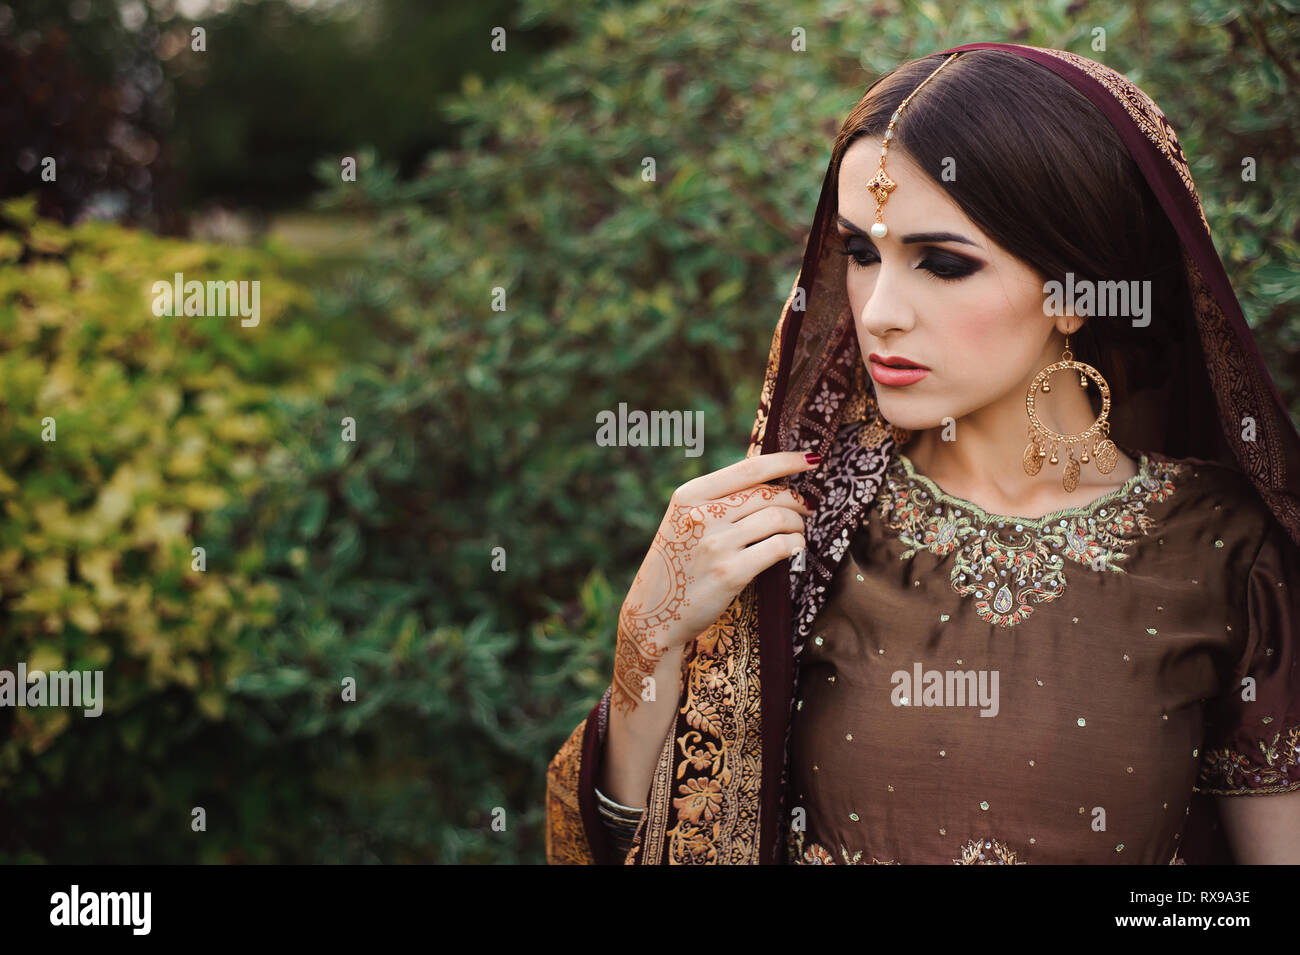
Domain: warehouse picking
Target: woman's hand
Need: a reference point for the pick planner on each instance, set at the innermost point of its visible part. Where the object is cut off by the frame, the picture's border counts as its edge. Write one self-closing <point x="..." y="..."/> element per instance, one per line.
<point x="720" y="532"/>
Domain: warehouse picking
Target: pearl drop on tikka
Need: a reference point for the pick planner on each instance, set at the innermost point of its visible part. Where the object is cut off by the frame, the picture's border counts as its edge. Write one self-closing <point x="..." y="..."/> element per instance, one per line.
<point x="879" y="230"/>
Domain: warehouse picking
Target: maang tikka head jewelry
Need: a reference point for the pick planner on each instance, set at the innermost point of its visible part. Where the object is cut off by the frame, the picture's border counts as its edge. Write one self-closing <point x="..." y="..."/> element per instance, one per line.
<point x="1041" y="437"/>
<point x="880" y="184"/>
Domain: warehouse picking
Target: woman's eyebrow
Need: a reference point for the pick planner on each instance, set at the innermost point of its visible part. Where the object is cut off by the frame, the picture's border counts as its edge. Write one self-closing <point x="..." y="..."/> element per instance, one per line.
<point x="913" y="237"/>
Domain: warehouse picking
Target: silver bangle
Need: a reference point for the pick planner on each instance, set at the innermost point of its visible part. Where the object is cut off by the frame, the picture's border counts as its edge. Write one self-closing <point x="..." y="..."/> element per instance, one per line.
<point x="616" y="811"/>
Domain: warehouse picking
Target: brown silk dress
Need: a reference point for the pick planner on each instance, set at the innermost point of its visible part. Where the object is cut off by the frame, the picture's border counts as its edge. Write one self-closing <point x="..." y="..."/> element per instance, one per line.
<point x="986" y="689"/>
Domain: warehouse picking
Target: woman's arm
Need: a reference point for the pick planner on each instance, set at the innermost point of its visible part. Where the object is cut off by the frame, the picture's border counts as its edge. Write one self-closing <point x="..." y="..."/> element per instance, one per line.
<point x="636" y="735"/>
<point x="1262" y="830"/>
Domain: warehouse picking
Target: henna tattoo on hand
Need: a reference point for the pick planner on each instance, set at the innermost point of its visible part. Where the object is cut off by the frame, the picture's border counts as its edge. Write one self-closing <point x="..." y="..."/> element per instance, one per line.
<point x="635" y="658"/>
<point x="638" y="652"/>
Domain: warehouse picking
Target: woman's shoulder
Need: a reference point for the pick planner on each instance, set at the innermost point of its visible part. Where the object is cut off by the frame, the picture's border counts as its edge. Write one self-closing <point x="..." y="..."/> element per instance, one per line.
<point x="1215" y="485"/>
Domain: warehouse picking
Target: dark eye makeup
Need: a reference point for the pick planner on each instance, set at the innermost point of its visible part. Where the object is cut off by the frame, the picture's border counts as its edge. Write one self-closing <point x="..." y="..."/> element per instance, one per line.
<point x="940" y="263"/>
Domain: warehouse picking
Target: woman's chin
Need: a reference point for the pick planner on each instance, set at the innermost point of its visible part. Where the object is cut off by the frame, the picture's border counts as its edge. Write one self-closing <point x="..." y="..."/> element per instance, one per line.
<point x="908" y="418"/>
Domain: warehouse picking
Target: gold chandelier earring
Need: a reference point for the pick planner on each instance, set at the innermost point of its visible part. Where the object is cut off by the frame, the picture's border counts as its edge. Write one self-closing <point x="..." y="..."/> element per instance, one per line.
<point x="1043" y="439"/>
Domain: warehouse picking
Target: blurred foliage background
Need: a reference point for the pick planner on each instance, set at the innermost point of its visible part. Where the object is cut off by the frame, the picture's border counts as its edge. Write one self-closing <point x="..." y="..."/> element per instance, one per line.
<point x="373" y="559"/>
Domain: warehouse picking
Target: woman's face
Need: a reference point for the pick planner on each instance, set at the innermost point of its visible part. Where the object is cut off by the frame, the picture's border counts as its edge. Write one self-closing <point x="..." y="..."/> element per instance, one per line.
<point x="938" y="292"/>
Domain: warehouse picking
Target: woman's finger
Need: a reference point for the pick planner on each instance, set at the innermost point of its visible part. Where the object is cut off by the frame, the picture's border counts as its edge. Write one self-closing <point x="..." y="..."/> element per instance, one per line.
<point x="755" y="559"/>
<point x="761" y="524"/>
<point x="750" y="472"/>
<point x="742" y="504"/>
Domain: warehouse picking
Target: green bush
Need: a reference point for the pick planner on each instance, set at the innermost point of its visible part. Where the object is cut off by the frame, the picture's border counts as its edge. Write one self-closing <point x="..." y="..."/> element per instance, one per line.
<point x="157" y="424"/>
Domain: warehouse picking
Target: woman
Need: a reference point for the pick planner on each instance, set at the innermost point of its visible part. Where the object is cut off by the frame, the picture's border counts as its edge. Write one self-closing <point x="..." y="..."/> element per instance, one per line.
<point x="1046" y="607"/>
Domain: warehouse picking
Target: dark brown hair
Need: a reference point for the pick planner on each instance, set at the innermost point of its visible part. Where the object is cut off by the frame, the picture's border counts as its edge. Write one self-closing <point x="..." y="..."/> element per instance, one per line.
<point x="1042" y="172"/>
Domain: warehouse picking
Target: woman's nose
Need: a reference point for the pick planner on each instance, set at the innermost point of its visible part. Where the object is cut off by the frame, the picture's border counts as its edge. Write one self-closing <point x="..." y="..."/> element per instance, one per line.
<point x="887" y="308"/>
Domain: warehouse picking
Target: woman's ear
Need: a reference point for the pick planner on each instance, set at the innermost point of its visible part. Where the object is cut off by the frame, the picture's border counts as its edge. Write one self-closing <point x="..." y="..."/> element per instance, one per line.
<point x="1070" y="324"/>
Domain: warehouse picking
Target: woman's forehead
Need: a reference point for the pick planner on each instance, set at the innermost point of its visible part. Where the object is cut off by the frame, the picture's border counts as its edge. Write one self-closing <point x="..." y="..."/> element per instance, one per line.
<point x="916" y="194"/>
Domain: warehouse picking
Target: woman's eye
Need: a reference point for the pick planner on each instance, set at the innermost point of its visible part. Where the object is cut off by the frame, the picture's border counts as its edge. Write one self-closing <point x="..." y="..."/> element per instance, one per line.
<point x="948" y="267"/>
<point x="861" y="255"/>
<point x="940" y="265"/>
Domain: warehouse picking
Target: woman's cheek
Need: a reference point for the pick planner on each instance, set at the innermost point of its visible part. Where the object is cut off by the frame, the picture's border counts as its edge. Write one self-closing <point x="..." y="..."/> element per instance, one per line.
<point x="978" y="331"/>
<point x="859" y="288"/>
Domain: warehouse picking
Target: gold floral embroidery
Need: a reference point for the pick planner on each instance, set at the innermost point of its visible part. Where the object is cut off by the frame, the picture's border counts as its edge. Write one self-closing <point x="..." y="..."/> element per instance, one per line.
<point x="759" y="430"/>
<point x="1009" y="570"/>
<point x="566" y="838"/>
<point x="1239" y="386"/>
<point x="720" y="745"/>
<point x="975" y="852"/>
<point x="987" y="852"/>
<point x="797" y="853"/>
<point x="1274" y="769"/>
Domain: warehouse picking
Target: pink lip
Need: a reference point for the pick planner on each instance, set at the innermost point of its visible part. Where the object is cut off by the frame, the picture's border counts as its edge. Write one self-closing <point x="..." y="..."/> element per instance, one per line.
<point x="894" y="377"/>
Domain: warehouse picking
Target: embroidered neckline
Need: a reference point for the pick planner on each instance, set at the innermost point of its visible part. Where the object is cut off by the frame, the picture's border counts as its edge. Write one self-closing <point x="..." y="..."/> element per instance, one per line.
<point x="1011" y="563"/>
<point x="942" y="496"/>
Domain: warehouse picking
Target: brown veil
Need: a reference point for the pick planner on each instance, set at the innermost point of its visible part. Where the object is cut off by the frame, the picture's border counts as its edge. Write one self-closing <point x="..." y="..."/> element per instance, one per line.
<point x="717" y="792"/>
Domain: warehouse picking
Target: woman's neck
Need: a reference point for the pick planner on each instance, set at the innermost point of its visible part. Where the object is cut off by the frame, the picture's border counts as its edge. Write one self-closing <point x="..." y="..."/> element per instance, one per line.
<point x="984" y="464"/>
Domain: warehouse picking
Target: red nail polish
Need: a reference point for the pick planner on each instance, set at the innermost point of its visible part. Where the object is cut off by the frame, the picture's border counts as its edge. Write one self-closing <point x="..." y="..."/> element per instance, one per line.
<point x="813" y="458"/>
